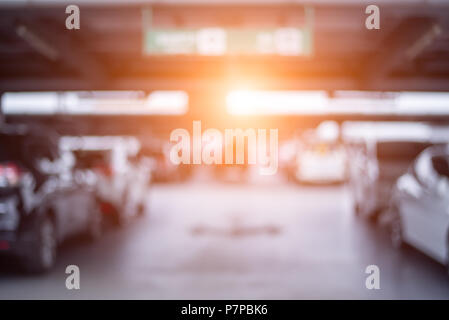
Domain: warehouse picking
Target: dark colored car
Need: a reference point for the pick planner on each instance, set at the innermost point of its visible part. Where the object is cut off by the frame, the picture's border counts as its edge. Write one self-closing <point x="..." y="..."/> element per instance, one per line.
<point x="41" y="203"/>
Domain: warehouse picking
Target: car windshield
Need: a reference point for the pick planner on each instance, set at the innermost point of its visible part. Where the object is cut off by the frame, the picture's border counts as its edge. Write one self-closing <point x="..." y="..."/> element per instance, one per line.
<point x="90" y="159"/>
<point x="25" y="149"/>
<point x="441" y="165"/>
<point x="400" y="150"/>
<point x="11" y="148"/>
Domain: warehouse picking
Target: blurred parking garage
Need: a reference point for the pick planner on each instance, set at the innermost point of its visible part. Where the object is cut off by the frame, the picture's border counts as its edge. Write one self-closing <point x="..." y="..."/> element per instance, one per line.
<point x="362" y="164"/>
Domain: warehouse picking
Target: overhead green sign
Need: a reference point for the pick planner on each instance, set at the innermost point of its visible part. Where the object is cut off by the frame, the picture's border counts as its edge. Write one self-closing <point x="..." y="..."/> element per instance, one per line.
<point x="288" y="41"/>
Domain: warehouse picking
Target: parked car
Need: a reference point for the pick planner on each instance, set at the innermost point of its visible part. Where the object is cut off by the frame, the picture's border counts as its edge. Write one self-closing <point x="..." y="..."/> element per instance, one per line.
<point x="420" y="205"/>
<point x="320" y="156"/>
<point x="41" y="204"/>
<point x="374" y="167"/>
<point x="321" y="163"/>
<point x="122" y="178"/>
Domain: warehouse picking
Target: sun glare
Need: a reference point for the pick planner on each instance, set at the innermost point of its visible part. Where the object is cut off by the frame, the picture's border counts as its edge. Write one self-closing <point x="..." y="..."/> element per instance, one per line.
<point x="248" y="102"/>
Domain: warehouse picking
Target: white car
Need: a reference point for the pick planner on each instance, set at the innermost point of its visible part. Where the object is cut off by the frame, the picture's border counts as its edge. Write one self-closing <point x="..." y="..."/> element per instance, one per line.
<point x="321" y="163"/>
<point x="420" y="215"/>
<point x="122" y="180"/>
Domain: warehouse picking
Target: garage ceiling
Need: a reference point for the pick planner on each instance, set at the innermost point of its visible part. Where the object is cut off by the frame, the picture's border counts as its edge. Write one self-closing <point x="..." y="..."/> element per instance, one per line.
<point x="409" y="52"/>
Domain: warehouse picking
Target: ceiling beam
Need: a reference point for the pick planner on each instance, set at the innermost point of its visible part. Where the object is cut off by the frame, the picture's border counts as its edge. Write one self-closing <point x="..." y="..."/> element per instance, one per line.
<point x="58" y="48"/>
<point x="402" y="45"/>
<point x="207" y="84"/>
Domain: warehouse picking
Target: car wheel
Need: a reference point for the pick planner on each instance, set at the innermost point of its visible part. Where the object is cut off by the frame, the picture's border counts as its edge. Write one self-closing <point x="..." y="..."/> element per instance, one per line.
<point x="141" y="210"/>
<point x="95" y="227"/>
<point x="396" y="234"/>
<point x="356" y="209"/>
<point x="447" y="254"/>
<point x="43" y="255"/>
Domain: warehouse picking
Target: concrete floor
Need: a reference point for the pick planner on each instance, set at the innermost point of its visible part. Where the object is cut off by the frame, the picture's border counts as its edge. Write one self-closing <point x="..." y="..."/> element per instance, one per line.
<point x="266" y="240"/>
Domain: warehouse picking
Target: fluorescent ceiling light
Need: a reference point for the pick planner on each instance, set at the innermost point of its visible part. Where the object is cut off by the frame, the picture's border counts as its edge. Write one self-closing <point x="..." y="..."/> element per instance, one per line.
<point x="97" y="102"/>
